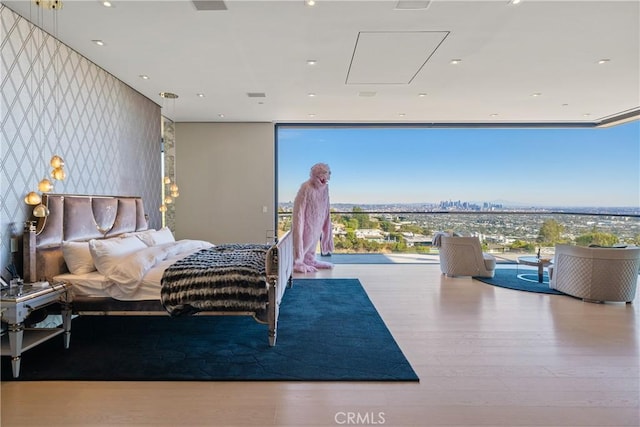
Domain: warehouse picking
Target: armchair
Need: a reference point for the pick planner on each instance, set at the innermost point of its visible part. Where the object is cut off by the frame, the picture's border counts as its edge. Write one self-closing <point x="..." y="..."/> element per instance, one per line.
<point x="596" y="274"/>
<point x="463" y="256"/>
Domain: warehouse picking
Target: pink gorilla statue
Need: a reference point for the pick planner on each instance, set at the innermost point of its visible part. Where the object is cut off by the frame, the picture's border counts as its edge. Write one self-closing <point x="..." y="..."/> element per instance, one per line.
<point x="312" y="221"/>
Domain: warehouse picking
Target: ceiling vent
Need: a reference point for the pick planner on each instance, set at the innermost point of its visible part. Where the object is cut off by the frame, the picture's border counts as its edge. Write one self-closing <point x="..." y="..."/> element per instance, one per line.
<point x="412" y="5"/>
<point x="256" y="95"/>
<point x="209" y="5"/>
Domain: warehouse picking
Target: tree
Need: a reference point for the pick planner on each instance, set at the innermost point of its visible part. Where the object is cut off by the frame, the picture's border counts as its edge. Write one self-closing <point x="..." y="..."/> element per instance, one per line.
<point x="521" y="245"/>
<point x="597" y="238"/>
<point x="550" y="232"/>
<point x="361" y="217"/>
<point x="411" y="228"/>
<point x="400" y="244"/>
<point x="351" y="224"/>
<point x="387" y="226"/>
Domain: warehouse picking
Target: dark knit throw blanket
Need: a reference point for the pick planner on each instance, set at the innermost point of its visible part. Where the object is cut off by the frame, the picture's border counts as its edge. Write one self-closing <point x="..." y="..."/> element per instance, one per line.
<point x="222" y="278"/>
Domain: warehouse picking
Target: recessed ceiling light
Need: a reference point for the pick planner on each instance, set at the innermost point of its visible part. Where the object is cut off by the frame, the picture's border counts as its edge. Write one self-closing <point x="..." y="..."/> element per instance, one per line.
<point x="311" y="62"/>
<point x="144" y="77"/>
<point x="535" y="95"/>
<point x="494" y="114"/>
<point x="200" y="95"/>
<point x="311" y="115"/>
<point x="98" y="42"/>
<point x="221" y="115"/>
<point x="107" y="4"/>
<point x="586" y="114"/>
<point x="456" y="61"/>
<point x="603" y="61"/>
<point x="514" y="2"/>
<point x="401" y="114"/>
<point x="310" y="2"/>
<point x="422" y="95"/>
<point x="311" y="95"/>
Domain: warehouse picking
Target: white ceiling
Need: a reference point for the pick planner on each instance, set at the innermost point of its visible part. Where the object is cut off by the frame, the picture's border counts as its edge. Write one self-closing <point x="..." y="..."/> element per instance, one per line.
<point x="373" y="60"/>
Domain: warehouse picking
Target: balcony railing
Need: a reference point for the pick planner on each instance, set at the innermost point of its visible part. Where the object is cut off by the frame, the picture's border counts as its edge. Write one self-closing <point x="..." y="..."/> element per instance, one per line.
<point x="507" y="234"/>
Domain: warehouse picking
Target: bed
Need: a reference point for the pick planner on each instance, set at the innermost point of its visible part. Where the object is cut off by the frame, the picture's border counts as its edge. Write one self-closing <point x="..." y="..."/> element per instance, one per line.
<point x="117" y="265"/>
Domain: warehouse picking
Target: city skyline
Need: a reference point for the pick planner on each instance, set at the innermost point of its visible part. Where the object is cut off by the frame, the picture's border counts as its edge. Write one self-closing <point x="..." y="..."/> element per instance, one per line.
<point x="573" y="167"/>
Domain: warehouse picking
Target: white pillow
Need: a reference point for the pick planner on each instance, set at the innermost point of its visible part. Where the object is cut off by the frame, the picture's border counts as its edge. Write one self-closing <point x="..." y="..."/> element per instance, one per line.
<point x="78" y="257"/>
<point x="164" y="235"/>
<point x="108" y="253"/>
<point x="159" y="237"/>
<point x="137" y="233"/>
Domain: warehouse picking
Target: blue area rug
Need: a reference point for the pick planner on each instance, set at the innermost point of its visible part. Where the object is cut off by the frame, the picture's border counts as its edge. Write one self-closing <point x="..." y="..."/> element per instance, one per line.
<point x="520" y="280"/>
<point x="328" y="331"/>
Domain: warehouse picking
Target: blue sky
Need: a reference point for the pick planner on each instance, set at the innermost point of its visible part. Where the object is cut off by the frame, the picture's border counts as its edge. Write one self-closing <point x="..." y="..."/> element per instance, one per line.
<point x="532" y="166"/>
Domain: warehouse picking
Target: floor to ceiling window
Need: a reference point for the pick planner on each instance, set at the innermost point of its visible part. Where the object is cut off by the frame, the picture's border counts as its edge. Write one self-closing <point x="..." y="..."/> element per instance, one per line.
<point x="424" y="169"/>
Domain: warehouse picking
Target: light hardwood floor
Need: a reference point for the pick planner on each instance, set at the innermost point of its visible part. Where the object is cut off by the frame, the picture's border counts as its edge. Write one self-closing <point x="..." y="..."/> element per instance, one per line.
<point x="485" y="356"/>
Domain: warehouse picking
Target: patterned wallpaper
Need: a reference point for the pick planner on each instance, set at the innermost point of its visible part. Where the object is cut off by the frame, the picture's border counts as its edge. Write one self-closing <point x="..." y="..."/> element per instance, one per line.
<point x="55" y="101"/>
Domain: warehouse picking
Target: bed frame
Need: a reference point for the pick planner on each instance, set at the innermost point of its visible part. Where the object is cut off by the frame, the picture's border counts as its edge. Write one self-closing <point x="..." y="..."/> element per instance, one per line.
<point x="84" y="217"/>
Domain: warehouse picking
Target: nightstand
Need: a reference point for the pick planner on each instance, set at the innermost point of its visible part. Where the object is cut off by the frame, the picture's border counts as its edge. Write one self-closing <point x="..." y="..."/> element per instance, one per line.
<point x="17" y="304"/>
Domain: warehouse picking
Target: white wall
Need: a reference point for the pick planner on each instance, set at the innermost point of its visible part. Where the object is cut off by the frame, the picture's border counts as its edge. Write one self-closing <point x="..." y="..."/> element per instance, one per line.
<point x="226" y="176"/>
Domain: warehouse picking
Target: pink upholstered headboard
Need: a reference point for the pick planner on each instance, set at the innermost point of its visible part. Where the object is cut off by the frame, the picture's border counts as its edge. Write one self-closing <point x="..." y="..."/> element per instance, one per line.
<point x="76" y="218"/>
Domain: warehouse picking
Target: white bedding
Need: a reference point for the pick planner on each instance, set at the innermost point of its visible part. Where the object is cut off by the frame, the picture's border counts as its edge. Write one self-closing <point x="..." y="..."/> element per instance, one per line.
<point x="132" y="277"/>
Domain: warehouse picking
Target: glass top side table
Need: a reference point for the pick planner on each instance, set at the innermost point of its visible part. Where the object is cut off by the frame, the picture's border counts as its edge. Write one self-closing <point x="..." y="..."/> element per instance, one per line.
<point x="17" y="303"/>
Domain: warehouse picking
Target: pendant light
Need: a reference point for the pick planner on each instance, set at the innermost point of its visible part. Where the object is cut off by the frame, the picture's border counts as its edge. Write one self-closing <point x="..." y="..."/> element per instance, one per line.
<point x="45" y="185"/>
<point x="40" y="211"/>
<point x="57" y="163"/>
<point x="32" y="198"/>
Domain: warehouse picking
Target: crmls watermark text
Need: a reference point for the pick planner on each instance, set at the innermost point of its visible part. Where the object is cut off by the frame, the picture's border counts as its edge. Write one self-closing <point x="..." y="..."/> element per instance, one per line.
<point x="359" y="418"/>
